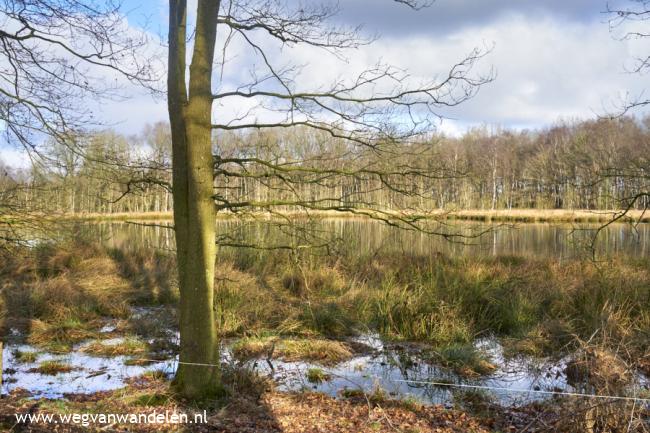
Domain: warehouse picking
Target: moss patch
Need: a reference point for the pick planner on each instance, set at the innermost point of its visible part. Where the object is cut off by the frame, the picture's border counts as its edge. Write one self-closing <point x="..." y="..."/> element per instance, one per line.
<point x="464" y="359"/>
<point x="317" y="375"/>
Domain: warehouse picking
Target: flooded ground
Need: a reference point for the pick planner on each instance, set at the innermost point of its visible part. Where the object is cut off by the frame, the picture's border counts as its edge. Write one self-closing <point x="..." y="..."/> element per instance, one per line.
<point x="401" y="370"/>
<point x="90" y="374"/>
<point x="404" y="372"/>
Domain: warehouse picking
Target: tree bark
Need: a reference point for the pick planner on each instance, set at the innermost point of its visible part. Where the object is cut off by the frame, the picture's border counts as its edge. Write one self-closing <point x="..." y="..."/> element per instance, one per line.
<point x="194" y="210"/>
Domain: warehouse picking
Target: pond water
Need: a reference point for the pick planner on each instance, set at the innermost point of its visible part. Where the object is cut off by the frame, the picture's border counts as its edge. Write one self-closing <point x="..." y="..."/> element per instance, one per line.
<point x="560" y="241"/>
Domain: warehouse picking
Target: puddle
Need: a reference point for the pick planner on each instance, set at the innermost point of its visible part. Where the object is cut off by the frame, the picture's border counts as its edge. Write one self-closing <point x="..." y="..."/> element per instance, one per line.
<point x="403" y="374"/>
<point x="397" y="369"/>
<point x="91" y="374"/>
<point x="108" y="328"/>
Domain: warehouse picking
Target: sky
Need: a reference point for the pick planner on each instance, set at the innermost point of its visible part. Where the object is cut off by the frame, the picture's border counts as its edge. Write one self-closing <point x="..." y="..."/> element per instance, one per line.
<point x="553" y="60"/>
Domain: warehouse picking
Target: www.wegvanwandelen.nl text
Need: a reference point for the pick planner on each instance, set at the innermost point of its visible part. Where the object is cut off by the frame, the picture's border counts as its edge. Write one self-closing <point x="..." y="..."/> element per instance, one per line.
<point x="86" y="419"/>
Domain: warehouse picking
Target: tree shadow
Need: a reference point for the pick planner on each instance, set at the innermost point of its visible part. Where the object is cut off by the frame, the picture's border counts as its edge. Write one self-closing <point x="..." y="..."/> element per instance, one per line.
<point x="150" y="273"/>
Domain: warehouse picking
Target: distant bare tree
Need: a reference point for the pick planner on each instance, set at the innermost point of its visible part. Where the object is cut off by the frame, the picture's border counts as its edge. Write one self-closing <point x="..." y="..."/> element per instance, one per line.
<point x="562" y="166"/>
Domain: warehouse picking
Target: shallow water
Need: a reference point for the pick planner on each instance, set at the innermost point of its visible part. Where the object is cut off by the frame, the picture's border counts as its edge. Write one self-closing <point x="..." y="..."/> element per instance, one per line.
<point x="397" y="369"/>
<point x="402" y="373"/>
<point x="91" y="374"/>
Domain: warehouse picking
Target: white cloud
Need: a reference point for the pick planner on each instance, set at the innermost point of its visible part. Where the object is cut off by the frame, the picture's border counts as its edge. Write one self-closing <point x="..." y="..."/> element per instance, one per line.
<point x="451" y="128"/>
<point x="131" y="115"/>
<point x="14" y="157"/>
<point x="547" y="67"/>
<point x="551" y="63"/>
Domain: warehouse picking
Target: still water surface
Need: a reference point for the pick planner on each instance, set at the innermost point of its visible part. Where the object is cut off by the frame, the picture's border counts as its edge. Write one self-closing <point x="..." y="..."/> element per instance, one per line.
<point x="560" y="241"/>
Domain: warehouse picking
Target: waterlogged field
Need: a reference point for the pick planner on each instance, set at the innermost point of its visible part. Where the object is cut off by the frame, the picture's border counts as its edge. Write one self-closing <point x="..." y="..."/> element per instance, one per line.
<point x="403" y="371"/>
<point x="502" y="323"/>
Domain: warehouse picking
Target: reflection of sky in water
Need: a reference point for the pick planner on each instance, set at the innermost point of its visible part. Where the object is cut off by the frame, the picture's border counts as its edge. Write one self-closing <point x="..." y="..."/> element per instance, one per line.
<point x="403" y="375"/>
<point x="396" y="371"/>
<point x="91" y="374"/>
<point x="400" y="373"/>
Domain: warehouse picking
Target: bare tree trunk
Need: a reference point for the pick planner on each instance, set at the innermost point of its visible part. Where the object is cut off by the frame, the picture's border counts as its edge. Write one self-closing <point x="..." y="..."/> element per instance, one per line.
<point x="194" y="209"/>
<point x="494" y="181"/>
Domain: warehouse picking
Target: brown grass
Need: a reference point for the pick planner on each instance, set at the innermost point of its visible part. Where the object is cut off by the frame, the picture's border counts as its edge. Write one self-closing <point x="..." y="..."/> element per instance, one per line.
<point x="128" y="346"/>
<point x="324" y="352"/>
<point x="59" y="295"/>
<point x="545" y="215"/>
<point x="58" y="336"/>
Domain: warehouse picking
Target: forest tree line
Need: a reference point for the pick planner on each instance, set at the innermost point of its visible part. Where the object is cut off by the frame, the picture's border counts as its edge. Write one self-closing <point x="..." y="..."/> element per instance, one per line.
<point x="595" y="164"/>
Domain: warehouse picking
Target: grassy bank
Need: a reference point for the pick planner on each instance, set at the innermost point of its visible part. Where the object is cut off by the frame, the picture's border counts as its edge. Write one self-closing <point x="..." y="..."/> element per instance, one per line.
<point x="546" y="215"/>
<point x="59" y="295"/>
<point x="483" y="215"/>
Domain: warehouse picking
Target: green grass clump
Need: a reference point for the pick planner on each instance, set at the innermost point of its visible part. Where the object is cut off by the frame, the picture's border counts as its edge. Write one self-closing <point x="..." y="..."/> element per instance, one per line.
<point x="324" y="352"/>
<point x="317" y="375"/>
<point x="59" y="336"/>
<point x="326" y="317"/>
<point x="254" y="347"/>
<point x="25" y="356"/>
<point x="465" y="359"/>
<point x="376" y="397"/>
<point x="235" y="313"/>
<point x="244" y="381"/>
<point x="52" y="368"/>
<point x="544" y="339"/>
<point x="414" y="313"/>
<point x="128" y="346"/>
